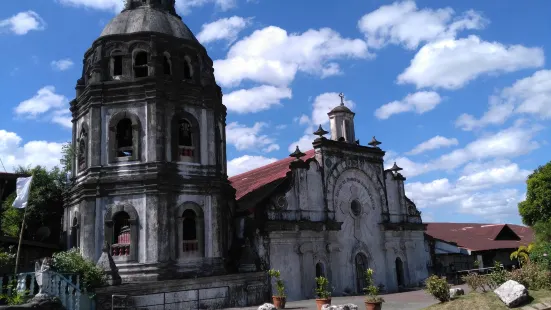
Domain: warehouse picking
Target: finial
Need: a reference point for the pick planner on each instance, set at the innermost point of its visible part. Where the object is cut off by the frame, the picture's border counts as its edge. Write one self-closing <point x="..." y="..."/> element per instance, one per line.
<point x="320" y="132"/>
<point x="297" y="154"/>
<point x="342" y="98"/>
<point x="374" y="142"/>
<point x="395" y="168"/>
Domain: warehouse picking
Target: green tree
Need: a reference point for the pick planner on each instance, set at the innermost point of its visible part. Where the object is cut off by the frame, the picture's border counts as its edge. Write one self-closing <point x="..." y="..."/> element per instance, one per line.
<point x="522" y="254"/>
<point x="45" y="207"/>
<point x="67" y="156"/>
<point x="537" y="206"/>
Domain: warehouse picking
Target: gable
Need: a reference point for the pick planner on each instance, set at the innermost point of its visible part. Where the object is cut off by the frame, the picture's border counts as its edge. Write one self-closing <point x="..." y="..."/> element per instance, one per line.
<point x="506" y="233"/>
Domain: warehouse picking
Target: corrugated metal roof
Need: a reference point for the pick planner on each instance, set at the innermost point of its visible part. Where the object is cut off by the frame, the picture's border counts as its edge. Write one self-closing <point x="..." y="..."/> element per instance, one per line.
<point x="250" y="181"/>
<point x="479" y="237"/>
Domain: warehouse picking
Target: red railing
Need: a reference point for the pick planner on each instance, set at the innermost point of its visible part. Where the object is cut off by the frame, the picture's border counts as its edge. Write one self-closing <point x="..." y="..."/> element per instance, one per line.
<point x="120" y="249"/>
<point x="187" y="151"/>
<point x="190" y="246"/>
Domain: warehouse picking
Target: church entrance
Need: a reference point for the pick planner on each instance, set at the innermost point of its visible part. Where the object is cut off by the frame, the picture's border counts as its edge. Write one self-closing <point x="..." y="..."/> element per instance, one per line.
<point x="361" y="267"/>
<point x="399" y="272"/>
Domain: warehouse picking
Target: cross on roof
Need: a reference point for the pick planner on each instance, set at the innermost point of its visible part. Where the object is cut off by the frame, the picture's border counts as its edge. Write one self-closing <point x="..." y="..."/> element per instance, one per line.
<point x="342" y="98"/>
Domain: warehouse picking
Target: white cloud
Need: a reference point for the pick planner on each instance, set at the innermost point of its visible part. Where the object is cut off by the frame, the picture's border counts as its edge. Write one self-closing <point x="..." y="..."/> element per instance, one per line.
<point x="63" y="118"/>
<point x="272" y="56"/>
<point x="530" y="95"/>
<point x="304" y="143"/>
<point x="419" y="102"/>
<point x="13" y="153"/>
<point x="492" y="205"/>
<point x="185" y="6"/>
<point x="247" y="138"/>
<point x="477" y="193"/>
<point x="103" y="5"/>
<point x="511" y="142"/>
<point x="256" y="99"/>
<point x="323" y="104"/>
<point x="115" y="6"/>
<point x="403" y="23"/>
<point x="45" y="100"/>
<point x="223" y="29"/>
<point x="452" y="63"/>
<point x="433" y="144"/>
<point x="246" y="163"/>
<point x="62" y="64"/>
<point x="22" y="23"/>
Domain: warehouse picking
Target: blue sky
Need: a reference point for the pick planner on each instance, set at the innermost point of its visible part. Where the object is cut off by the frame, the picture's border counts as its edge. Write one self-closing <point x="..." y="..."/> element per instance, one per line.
<point x="458" y="91"/>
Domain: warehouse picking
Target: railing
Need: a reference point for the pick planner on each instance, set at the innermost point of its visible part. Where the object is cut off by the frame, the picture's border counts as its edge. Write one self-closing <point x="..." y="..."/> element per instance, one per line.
<point x="455" y="277"/>
<point x="65" y="287"/>
<point x="190" y="246"/>
<point x="120" y="249"/>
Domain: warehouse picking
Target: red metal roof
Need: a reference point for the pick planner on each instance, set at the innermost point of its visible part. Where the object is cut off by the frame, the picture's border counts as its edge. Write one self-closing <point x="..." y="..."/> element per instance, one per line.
<point x="479" y="237"/>
<point x="250" y="181"/>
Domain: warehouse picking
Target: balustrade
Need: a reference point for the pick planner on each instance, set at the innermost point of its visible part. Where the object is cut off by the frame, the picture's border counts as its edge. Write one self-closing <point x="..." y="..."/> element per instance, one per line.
<point x="190" y="245"/>
<point x="63" y="287"/>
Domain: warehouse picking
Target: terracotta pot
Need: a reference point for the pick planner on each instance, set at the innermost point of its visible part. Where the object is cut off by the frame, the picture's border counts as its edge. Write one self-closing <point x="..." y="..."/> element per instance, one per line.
<point x="373" y="305"/>
<point x="322" y="301"/>
<point x="279" y="302"/>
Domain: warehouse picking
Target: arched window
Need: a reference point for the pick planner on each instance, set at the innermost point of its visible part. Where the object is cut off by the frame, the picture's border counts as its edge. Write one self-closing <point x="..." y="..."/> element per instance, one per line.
<point x="185" y="137"/>
<point x="121" y="231"/>
<point x="399" y="272"/>
<point x="124" y="138"/>
<point x="82" y="149"/>
<point x="361" y="267"/>
<point x="190" y="231"/>
<point x="356" y="208"/>
<point x="116" y="65"/>
<point x="121" y="234"/>
<point x="140" y="64"/>
<point x="190" y="243"/>
<point x="188" y="69"/>
<point x="167" y="65"/>
<point x="75" y="233"/>
<point x="320" y="270"/>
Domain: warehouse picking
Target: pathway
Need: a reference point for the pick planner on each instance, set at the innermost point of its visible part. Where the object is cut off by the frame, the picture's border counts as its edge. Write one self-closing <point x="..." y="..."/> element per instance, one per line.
<point x="414" y="300"/>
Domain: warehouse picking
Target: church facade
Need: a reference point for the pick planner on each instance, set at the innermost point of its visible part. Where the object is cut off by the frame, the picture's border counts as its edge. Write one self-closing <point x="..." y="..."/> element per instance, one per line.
<point x="149" y="181"/>
<point x="333" y="211"/>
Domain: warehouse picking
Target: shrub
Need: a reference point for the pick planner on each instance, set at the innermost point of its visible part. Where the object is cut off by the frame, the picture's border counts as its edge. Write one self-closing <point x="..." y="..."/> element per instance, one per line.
<point x="280" y="286"/>
<point x="371" y="290"/>
<point x="533" y="276"/>
<point x="541" y="254"/>
<point x="438" y="288"/>
<point x="498" y="276"/>
<point x="13" y="297"/>
<point x="473" y="280"/>
<point x="72" y="262"/>
<point x="322" y="288"/>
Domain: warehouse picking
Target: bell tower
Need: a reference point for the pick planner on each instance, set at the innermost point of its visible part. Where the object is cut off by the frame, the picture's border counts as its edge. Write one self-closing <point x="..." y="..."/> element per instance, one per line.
<point x="342" y="123"/>
<point x="149" y="173"/>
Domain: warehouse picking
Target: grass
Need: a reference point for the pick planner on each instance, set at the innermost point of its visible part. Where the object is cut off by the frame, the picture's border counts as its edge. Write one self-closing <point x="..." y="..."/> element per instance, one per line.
<point x="487" y="301"/>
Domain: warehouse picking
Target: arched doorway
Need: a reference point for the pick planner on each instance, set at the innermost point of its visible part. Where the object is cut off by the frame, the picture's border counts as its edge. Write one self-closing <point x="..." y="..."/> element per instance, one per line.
<point x="361" y="267"/>
<point x="399" y="272"/>
<point x="320" y="272"/>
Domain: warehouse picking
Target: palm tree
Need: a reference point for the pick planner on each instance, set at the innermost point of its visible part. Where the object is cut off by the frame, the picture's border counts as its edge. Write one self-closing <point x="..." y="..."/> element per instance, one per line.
<point x="522" y="254"/>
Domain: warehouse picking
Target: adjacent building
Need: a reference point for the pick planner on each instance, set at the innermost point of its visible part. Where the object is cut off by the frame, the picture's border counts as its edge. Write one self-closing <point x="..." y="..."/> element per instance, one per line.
<point x="457" y="246"/>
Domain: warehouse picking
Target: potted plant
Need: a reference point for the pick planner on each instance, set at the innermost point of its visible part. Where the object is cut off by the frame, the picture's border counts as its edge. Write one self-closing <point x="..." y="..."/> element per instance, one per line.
<point x="322" y="292"/>
<point x="372" y="299"/>
<point x="279" y="299"/>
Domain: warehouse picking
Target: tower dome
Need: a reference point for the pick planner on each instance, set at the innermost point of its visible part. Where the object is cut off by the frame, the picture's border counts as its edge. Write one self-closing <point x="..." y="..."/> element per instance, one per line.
<point x="149" y="16"/>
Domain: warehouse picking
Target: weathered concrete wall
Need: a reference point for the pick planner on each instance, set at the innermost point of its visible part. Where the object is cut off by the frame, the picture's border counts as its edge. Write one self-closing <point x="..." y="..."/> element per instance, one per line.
<point x="202" y="293"/>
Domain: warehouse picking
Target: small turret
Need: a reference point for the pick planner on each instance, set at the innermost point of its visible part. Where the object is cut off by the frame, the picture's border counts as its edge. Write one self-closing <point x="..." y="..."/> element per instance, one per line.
<point x="342" y="123"/>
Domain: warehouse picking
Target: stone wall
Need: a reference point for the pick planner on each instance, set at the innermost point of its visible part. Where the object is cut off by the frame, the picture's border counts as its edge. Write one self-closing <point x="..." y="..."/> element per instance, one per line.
<point x="238" y="290"/>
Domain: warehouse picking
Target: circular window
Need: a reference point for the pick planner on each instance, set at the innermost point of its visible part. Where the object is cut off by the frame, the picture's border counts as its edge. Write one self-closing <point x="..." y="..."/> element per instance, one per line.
<point x="356" y="208"/>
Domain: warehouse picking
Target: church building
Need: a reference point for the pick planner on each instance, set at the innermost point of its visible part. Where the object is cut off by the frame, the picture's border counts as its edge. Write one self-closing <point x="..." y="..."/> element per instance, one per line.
<point x="333" y="211"/>
<point x="149" y="180"/>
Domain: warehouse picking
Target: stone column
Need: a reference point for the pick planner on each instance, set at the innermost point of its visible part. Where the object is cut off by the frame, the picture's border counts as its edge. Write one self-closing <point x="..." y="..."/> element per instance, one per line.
<point x="88" y="229"/>
<point x="151" y="228"/>
<point x="96" y="148"/>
